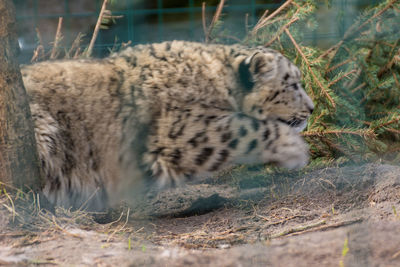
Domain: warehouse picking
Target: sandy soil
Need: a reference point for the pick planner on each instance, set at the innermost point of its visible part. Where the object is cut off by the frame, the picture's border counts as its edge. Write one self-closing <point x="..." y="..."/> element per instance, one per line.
<point x="347" y="216"/>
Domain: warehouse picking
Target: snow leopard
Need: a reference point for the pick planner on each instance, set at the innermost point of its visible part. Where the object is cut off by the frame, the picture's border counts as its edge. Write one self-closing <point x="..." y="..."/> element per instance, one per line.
<point x="163" y="112"/>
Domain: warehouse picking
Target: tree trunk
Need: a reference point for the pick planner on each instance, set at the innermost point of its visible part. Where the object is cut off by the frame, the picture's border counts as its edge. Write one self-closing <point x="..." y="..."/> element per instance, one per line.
<point x="19" y="164"/>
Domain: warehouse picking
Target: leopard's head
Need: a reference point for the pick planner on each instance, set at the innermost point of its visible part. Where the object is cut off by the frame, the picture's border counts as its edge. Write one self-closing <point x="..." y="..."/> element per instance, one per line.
<point x="272" y="89"/>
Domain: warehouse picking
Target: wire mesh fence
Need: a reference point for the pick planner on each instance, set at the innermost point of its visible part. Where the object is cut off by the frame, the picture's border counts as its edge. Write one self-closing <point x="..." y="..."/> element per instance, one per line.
<point x="159" y="20"/>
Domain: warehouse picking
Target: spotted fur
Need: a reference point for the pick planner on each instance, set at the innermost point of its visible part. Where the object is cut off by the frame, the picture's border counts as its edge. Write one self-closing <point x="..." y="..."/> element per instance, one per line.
<point x="167" y="111"/>
<point x="218" y="139"/>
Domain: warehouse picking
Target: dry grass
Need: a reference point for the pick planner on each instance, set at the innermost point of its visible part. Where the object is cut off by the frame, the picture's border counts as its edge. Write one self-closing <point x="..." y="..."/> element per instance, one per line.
<point x="22" y="213"/>
<point x="75" y="49"/>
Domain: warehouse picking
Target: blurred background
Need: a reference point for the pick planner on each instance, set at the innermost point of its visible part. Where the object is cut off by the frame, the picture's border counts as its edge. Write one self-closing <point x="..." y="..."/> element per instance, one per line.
<point x="159" y="20"/>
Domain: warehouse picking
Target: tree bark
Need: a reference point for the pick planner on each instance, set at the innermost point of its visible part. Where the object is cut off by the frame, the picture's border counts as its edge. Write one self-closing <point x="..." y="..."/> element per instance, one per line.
<point x="19" y="164"/>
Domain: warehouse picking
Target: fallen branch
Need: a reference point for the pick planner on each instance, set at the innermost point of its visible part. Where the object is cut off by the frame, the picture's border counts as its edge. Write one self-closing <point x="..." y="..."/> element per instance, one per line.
<point x="335" y="225"/>
<point x="319" y="226"/>
<point x="298" y="229"/>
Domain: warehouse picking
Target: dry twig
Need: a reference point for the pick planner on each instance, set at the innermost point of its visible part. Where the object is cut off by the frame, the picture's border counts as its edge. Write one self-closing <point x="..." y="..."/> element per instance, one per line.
<point x="36" y="53"/>
<point x="96" y="29"/>
<point x="75" y="45"/>
<point x="64" y="230"/>
<point x="298" y="229"/>
<point x="121" y="228"/>
<point x="203" y="19"/>
<point x="263" y="21"/>
<point x="39" y="52"/>
<point x="324" y="227"/>
<point x="217" y="14"/>
<point x="259" y="21"/>
<point x="57" y="39"/>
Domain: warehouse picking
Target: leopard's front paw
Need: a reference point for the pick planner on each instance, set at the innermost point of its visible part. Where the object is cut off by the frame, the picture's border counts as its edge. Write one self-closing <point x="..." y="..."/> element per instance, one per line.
<point x="289" y="150"/>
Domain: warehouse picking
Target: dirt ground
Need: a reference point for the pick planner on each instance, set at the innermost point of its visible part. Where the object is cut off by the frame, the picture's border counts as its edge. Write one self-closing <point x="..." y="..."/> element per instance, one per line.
<point x="338" y="216"/>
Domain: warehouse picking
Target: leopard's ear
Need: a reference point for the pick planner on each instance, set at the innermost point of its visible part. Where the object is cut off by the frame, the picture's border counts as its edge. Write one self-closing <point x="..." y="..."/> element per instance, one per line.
<point x="257" y="67"/>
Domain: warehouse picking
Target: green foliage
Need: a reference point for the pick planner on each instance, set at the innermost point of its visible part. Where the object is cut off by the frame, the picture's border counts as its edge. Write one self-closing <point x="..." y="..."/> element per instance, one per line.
<point x="355" y="84"/>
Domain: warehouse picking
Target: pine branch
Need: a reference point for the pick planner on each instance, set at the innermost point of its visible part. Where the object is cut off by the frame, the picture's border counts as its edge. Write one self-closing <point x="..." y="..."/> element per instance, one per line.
<point x="365" y="133"/>
<point x="381" y="123"/>
<point x="346" y="75"/>
<point x="353" y="29"/>
<point x="282" y="29"/>
<point x="323" y="90"/>
<point x="340" y="65"/>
